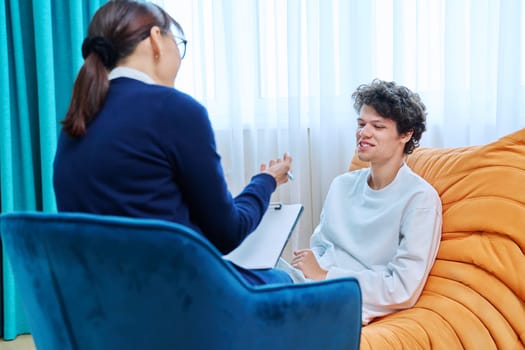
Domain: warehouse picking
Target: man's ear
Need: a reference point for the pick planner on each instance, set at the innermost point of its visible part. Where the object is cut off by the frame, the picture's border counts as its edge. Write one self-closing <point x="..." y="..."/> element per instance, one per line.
<point x="407" y="136"/>
<point x="155" y="36"/>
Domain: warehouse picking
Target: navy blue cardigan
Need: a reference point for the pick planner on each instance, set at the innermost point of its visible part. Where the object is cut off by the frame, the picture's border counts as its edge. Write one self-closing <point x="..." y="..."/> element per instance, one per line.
<point x="150" y="152"/>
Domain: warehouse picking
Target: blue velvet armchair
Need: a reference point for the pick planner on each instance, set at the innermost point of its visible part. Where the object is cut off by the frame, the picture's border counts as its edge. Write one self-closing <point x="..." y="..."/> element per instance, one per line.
<point x="100" y="282"/>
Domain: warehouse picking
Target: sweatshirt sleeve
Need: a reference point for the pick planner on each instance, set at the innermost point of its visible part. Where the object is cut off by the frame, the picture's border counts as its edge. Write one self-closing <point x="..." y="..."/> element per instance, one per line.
<point x="398" y="284"/>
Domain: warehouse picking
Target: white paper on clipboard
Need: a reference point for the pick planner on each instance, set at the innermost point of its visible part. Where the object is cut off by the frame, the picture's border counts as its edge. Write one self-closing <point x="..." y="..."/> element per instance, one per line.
<point x="263" y="247"/>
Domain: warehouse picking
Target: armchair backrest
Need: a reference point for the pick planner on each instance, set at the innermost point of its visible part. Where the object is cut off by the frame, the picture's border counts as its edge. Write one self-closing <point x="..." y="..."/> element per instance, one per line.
<point x="99" y="282"/>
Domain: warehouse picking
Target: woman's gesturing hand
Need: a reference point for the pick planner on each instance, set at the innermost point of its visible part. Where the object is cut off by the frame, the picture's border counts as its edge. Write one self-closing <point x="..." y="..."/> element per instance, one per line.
<point x="278" y="168"/>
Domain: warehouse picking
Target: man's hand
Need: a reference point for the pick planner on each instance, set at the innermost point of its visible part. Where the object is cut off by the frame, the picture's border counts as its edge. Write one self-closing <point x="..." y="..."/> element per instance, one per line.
<point x="305" y="261"/>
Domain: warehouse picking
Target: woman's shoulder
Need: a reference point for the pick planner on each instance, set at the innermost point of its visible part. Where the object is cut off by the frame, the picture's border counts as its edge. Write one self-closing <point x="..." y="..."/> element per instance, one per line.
<point x="174" y="98"/>
<point x="159" y="98"/>
<point x="165" y="109"/>
<point x="170" y="105"/>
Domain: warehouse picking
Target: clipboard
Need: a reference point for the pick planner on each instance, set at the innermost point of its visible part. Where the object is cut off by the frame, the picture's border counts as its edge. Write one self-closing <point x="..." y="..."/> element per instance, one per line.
<point x="262" y="248"/>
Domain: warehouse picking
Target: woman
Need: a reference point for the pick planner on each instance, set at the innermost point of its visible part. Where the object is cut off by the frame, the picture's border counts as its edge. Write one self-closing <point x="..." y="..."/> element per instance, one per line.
<point x="132" y="145"/>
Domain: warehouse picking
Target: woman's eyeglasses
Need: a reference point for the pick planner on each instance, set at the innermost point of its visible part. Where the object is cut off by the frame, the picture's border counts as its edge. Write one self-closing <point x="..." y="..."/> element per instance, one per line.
<point x="181" y="43"/>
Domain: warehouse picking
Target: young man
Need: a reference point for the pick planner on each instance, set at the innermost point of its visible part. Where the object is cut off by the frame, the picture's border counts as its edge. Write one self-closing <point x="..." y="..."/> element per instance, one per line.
<point x="380" y="224"/>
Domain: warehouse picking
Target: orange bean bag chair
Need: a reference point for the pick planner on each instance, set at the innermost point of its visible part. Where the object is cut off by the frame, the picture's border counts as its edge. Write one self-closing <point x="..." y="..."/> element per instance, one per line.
<point x="474" y="297"/>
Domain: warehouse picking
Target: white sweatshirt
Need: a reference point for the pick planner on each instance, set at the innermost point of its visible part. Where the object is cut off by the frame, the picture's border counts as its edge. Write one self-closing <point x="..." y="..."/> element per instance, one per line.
<point x="388" y="238"/>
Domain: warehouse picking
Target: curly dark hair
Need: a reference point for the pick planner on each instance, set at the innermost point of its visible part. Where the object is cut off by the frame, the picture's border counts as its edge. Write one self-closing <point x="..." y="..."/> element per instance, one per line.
<point x="394" y="102"/>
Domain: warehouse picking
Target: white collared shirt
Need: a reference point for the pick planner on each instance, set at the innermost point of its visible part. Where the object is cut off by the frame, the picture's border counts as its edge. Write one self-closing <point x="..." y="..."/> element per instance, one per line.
<point x="126" y="72"/>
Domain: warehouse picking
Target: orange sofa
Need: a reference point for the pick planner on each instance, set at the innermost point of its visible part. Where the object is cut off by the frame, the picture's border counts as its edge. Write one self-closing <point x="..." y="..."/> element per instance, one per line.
<point x="475" y="295"/>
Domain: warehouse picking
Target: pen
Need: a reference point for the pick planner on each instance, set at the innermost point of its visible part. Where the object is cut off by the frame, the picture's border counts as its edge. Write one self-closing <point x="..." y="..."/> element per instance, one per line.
<point x="290" y="176"/>
<point x="276" y="205"/>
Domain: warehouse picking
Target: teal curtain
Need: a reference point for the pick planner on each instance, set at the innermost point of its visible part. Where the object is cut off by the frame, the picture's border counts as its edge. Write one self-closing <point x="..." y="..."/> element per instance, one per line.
<point x="40" y="54"/>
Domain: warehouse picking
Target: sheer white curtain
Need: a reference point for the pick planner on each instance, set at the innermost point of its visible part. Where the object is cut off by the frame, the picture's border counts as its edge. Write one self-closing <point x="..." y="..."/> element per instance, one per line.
<point x="277" y="75"/>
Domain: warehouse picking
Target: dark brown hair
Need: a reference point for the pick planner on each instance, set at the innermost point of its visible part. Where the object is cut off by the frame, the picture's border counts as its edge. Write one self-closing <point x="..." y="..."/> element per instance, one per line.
<point x="394" y="102"/>
<point x="114" y="32"/>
